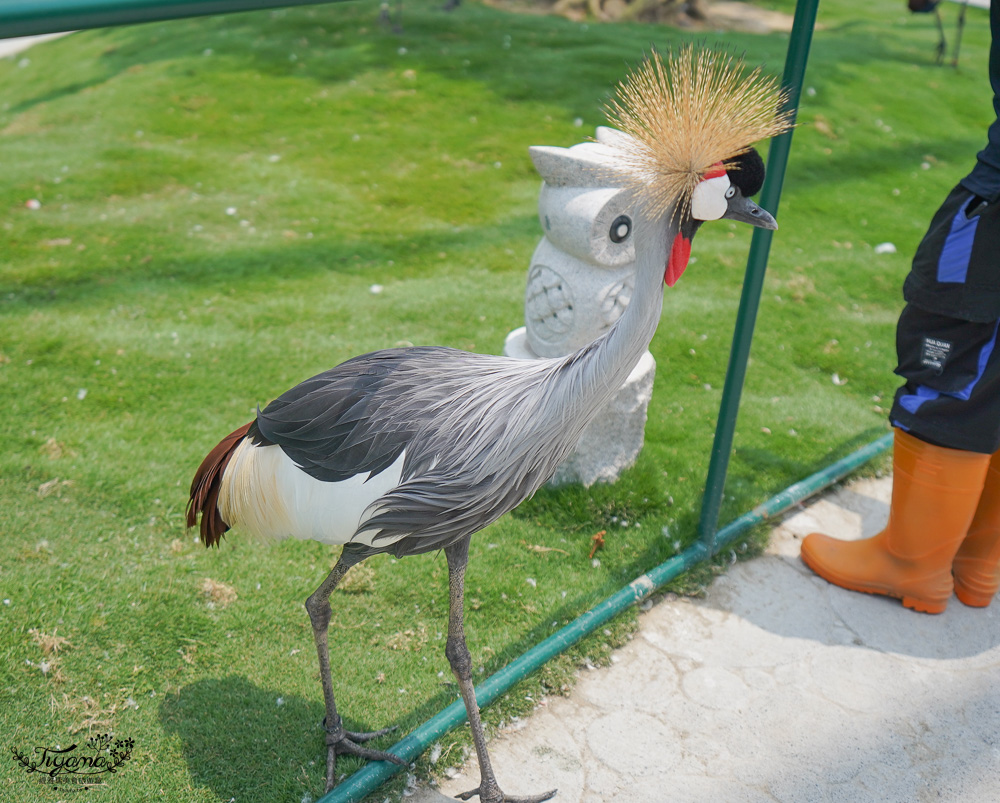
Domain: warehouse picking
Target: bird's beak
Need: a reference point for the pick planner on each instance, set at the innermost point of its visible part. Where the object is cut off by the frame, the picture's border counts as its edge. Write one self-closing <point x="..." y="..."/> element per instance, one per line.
<point x="746" y="211"/>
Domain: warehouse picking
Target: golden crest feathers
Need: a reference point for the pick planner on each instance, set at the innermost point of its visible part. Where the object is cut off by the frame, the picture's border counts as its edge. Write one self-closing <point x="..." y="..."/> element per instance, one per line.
<point x="687" y="114"/>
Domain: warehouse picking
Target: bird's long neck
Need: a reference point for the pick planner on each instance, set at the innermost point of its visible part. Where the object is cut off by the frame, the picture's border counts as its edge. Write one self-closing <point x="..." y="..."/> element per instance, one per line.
<point x="602" y="367"/>
<point x="629" y="339"/>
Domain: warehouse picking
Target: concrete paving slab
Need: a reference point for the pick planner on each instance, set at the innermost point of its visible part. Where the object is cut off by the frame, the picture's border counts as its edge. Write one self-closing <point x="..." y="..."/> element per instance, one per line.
<point x="777" y="686"/>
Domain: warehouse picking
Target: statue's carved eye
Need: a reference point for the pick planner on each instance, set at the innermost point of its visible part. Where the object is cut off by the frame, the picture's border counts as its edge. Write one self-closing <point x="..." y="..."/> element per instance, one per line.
<point x="620" y="229"/>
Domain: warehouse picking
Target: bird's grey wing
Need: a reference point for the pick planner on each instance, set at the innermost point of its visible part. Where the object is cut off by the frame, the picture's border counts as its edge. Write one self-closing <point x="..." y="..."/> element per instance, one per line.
<point x="448" y="410"/>
<point x="330" y="425"/>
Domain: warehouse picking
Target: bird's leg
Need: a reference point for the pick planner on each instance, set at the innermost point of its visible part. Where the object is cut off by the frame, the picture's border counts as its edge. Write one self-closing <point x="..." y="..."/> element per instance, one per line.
<point x="338" y="740"/>
<point x="461" y="665"/>
<point x="958" y="33"/>
<point x="942" y="45"/>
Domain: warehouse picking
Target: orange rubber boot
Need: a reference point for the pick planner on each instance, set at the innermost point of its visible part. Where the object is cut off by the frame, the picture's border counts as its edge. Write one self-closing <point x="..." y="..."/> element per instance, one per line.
<point x="977" y="564"/>
<point x="934" y="496"/>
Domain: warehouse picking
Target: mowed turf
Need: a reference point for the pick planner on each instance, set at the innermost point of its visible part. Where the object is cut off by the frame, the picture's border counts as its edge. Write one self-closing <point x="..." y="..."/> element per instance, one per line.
<point x="199" y="214"/>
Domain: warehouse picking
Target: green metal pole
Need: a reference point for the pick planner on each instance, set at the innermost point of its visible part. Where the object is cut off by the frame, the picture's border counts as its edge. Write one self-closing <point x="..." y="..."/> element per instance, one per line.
<point x="369" y="777"/>
<point x="760" y="245"/>
<point x="33" y="17"/>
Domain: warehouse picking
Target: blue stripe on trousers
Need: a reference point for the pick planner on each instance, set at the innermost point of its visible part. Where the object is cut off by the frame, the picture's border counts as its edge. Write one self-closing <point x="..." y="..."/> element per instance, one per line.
<point x="912" y="401"/>
<point x="953" y="264"/>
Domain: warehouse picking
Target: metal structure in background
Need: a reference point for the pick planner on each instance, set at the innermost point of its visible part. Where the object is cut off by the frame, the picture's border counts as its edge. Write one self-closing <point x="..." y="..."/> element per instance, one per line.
<point x="33" y="17"/>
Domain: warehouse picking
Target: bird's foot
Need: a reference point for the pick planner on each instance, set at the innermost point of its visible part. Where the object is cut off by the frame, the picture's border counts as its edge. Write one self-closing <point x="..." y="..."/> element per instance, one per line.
<point x="349" y="742"/>
<point x="340" y="741"/>
<point x="500" y="797"/>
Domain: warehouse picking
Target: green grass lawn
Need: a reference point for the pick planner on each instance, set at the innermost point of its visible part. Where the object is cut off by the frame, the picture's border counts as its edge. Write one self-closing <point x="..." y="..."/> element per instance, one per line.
<point x="217" y="199"/>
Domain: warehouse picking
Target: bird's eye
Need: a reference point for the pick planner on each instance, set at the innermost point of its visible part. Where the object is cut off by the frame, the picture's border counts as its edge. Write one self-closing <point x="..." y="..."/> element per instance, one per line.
<point x="730" y="192"/>
<point x="620" y="229"/>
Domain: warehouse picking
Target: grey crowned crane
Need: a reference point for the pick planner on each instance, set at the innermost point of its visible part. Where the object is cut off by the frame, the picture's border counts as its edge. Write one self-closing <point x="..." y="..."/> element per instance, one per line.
<point x="416" y="449"/>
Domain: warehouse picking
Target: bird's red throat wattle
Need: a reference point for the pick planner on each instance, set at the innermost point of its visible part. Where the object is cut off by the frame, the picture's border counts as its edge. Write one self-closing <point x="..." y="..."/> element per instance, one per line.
<point x="680" y="253"/>
<point x="680" y="249"/>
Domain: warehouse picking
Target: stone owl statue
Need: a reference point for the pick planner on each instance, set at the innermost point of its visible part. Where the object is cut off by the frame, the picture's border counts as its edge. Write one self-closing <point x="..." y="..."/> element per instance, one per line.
<point x="580" y="279"/>
<point x="579" y="282"/>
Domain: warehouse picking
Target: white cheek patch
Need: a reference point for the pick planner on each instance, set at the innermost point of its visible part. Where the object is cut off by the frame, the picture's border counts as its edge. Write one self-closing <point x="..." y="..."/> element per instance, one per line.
<point x="708" y="201"/>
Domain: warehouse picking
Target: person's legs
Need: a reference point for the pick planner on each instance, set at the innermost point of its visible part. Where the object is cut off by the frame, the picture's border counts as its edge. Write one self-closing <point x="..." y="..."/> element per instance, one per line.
<point x="947" y="419"/>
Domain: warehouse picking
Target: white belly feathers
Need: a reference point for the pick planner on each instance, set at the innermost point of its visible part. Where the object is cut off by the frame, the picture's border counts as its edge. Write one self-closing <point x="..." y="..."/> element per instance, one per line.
<point x="265" y="494"/>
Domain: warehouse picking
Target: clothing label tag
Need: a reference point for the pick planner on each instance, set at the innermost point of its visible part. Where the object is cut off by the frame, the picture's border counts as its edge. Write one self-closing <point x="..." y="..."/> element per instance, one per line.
<point x="934" y="353"/>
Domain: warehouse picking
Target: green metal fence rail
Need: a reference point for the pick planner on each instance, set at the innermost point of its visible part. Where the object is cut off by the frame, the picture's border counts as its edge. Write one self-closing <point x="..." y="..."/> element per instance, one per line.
<point x="33" y="17"/>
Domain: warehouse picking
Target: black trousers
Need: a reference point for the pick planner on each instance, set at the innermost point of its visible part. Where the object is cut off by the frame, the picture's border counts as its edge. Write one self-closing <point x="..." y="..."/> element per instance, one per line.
<point x="952" y="370"/>
<point x="946" y="339"/>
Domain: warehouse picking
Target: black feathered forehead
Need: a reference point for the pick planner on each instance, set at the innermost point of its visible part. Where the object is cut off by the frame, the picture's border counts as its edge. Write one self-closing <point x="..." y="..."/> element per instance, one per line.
<point x="746" y="172"/>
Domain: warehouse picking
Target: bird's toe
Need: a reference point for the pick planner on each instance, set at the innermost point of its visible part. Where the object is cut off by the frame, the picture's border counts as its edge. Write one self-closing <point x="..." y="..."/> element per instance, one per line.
<point x="345" y="742"/>
<point x="354" y="736"/>
<point x="533" y="798"/>
<point x="352" y="748"/>
<point x="500" y="797"/>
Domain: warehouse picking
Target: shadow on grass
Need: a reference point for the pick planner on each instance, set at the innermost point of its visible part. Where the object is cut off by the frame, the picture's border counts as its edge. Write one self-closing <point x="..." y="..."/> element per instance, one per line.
<point x="544" y="59"/>
<point x="239" y="742"/>
<point x="245" y="742"/>
<point x="258" y="266"/>
<point x="815" y="173"/>
<point x="759" y="461"/>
